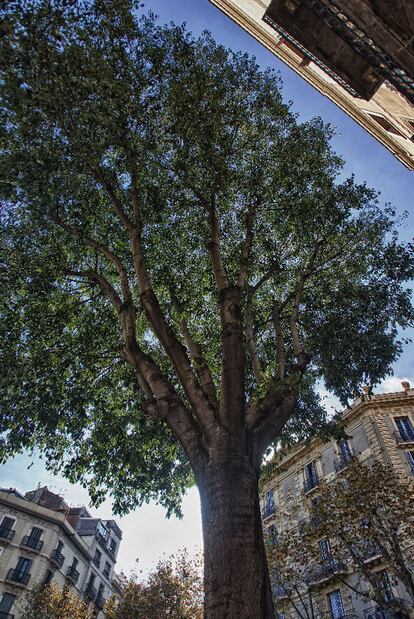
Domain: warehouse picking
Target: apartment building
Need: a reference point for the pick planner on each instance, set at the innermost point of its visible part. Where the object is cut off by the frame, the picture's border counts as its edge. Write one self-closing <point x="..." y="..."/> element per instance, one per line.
<point x="358" y="53"/>
<point x="381" y="428"/>
<point x="43" y="539"/>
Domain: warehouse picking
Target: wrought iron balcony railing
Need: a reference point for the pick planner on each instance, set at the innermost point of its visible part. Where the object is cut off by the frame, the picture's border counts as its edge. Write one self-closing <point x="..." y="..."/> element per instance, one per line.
<point x="328" y="569"/>
<point x="73" y="574"/>
<point x="404" y="436"/>
<point x="57" y="558"/>
<point x="6" y="533"/>
<point x="32" y="543"/>
<point x="342" y="462"/>
<point x="17" y="576"/>
<point x="310" y="484"/>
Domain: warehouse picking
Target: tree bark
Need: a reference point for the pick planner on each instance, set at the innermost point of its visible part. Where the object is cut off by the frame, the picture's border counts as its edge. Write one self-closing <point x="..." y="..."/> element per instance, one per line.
<point x="236" y="577"/>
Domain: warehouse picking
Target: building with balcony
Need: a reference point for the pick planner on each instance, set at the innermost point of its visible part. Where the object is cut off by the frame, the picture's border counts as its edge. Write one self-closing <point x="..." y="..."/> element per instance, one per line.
<point x="381" y="428"/>
<point x="43" y="539"/>
<point x="358" y="53"/>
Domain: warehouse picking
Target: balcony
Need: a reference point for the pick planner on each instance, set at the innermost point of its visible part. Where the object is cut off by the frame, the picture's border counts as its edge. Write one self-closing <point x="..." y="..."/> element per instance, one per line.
<point x="6" y="534"/>
<point x="91" y="592"/>
<point x="268" y="510"/>
<point x="73" y="575"/>
<point x="16" y="576"/>
<point x="32" y="543"/>
<point x="342" y="462"/>
<point x="6" y="615"/>
<point x="405" y="437"/>
<point x="57" y="558"/>
<point x="328" y="569"/>
<point x="310" y="484"/>
<point x="280" y="592"/>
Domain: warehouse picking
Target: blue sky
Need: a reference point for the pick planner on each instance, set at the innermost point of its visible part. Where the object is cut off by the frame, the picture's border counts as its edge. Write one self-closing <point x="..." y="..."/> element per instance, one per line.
<point x="147" y="534"/>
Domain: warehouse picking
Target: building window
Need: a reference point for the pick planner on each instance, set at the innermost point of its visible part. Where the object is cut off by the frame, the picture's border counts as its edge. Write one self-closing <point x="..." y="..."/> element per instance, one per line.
<point x="385" y="585"/>
<point x="97" y="557"/>
<point x="107" y="569"/>
<point x="325" y="549"/>
<point x="272" y="535"/>
<point x="336" y="605"/>
<point x="269" y="504"/>
<point x="33" y="540"/>
<point x="6" y="603"/>
<point x="410" y="457"/>
<point x="345" y="451"/>
<point x="405" y="428"/>
<point x="21" y="572"/>
<point x="103" y="531"/>
<point x="6" y="528"/>
<point x="112" y="546"/>
<point x="48" y="578"/>
<point x="311" y="476"/>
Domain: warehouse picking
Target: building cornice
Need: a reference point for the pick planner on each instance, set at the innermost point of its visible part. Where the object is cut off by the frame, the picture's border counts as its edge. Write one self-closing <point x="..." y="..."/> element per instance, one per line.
<point x="357" y="408"/>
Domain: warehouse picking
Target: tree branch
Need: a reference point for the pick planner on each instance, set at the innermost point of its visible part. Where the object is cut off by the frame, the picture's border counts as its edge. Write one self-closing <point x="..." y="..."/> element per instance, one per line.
<point x="197" y="356"/>
<point x="247" y="246"/>
<point x="166" y="336"/>
<point x="280" y="342"/>
<point x="257" y="371"/>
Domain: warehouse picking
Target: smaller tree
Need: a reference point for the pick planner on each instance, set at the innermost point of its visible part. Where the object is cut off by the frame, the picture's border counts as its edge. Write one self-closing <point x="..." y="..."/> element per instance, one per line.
<point x="172" y="591"/>
<point x="51" y="602"/>
<point x="369" y="511"/>
<point x="366" y="513"/>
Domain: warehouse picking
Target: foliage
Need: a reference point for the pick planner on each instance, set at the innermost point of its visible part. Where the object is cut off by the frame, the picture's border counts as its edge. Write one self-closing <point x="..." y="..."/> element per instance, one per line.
<point x="173" y="590"/>
<point x="50" y="602"/>
<point x="151" y="180"/>
<point x="366" y="512"/>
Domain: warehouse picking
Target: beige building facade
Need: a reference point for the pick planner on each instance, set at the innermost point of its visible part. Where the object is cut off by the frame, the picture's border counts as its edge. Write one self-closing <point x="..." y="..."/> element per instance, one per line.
<point x="381" y="428"/>
<point x="358" y="53"/>
<point x="42" y="539"/>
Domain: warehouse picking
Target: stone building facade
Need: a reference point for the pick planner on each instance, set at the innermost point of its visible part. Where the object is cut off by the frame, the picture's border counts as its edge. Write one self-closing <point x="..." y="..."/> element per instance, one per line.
<point x="381" y="428"/>
<point x="43" y="539"/>
<point x="358" y="53"/>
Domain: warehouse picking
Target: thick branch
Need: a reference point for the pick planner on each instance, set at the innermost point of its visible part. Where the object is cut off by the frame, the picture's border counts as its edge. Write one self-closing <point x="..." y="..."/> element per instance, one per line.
<point x="167" y="338"/>
<point x="233" y="399"/>
<point x="197" y="356"/>
<point x="247" y="246"/>
<point x="280" y="342"/>
<point x="219" y="270"/>
<point x="257" y="371"/>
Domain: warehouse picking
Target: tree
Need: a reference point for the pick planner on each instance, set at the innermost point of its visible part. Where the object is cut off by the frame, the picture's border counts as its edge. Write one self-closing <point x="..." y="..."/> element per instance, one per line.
<point x="364" y="513"/>
<point x="369" y="511"/>
<point x="181" y="263"/>
<point x="50" y="602"/>
<point x="173" y="590"/>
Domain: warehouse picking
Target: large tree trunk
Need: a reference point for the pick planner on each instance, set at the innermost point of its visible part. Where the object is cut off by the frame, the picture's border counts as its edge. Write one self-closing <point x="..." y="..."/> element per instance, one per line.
<point x="236" y="576"/>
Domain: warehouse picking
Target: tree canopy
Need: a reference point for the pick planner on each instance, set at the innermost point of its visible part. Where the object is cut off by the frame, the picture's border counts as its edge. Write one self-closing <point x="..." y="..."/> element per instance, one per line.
<point x="146" y="177"/>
